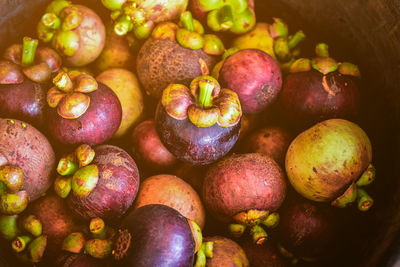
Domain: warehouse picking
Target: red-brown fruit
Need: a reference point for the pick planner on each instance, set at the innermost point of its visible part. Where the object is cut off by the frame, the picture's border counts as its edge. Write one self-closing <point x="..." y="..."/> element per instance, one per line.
<point x="265" y="255"/>
<point x="226" y="253"/>
<point x="24" y="146"/>
<point x="98" y="124"/>
<point x="116" y="188"/>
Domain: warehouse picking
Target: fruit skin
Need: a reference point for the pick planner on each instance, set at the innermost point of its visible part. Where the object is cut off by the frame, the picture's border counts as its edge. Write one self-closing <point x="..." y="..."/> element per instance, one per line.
<point x="160" y="236"/>
<point x="254" y="76"/>
<point x="24" y="146"/>
<point x="226" y="253"/>
<point x="57" y="220"/>
<point x="324" y="160"/>
<point x="161" y="62"/>
<point x="98" y="124"/>
<point x="148" y="149"/>
<point x="306" y="228"/>
<point x="126" y="86"/>
<point x="193" y="144"/>
<point x="160" y="10"/>
<point x="262" y="255"/>
<point x="116" y="188"/>
<point x="305" y="100"/>
<point x="243" y="182"/>
<point x="171" y="191"/>
<point x="68" y="259"/>
<point x="25" y="101"/>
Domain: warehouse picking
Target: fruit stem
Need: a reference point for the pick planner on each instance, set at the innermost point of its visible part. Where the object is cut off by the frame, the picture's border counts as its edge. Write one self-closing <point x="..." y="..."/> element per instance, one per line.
<point x="66" y="167"/>
<point x="281" y="49"/>
<point x="206" y="89"/>
<point x="51" y="21"/>
<point x="20" y="242"/>
<point x="187" y="20"/>
<point x="364" y="200"/>
<point x="98" y="228"/>
<point x="205" y="251"/>
<point x="123" y="25"/>
<point x="236" y="229"/>
<point x="297" y="38"/>
<point x="348" y="197"/>
<point x="72" y="20"/>
<point x="32" y="225"/>
<point x="321" y="50"/>
<point x="28" y="51"/>
<point x="367" y="177"/>
<point x="258" y="234"/>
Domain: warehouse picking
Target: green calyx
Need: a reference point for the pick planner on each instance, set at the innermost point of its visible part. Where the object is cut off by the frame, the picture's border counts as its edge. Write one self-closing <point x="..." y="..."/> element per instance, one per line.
<point x="66" y="166"/>
<point x="84" y="180"/>
<point x="74" y="242"/>
<point x="63" y="186"/>
<point x="84" y="154"/>
<point x="32" y="225"/>
<point x="97" y="228"/>
<point x="236" y="229"/>
<point x="12" y="177"/>
<point x="36" y="248"/>
<point x="8" y="226"/>
<point x="20" y="242"/>
<point x="66" y="42"/>
<point x="99" y="248"/>
<point x="12" y="204"/>
<point x="205" y="251"/>
<point x="113" y="4"/>
<point x="258" y="234"/>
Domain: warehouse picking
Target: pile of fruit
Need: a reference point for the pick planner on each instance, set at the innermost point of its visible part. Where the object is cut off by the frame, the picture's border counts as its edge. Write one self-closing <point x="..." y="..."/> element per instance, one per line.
<point x="175" y="133"/>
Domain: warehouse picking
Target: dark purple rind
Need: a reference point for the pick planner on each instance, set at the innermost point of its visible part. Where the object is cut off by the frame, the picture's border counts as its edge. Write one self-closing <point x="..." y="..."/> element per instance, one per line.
<point x="25" y="101"/>
<point x="192" y="144"/>
<point x="305" y="101"/>
<point x="161" y="236"/>
<point x="254" y="76"/>
<point x="264" y="255"/>
<point x="243" y="182"/>
<point x="116" y="188"/>
<point x="29" y="149"/>
<point x="161" y="62"/>
<point x="97" y="125"/>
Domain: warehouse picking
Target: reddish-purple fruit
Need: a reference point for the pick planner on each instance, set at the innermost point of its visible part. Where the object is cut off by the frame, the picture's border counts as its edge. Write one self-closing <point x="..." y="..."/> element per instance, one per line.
<point x="271" y="141"/>
<point x="264" y="255"/>
<point x="226" y="253"/>
<point x="148" y="150"/>
<point x="115" y="190"/>
<point x="155" y="235"/>
<point x="24" y="146"/>
<point x="320" y="89"/>
<point x="68" y="259"/>
<point x="306" y="229"/>
<point x="85" y="112"/>
<point x="254" y="76"/>
<point x="245" y="189"/>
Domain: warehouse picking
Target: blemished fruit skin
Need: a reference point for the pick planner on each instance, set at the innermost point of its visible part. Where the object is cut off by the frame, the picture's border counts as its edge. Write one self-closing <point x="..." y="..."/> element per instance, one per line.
<point x="24" y="146"/>
<point x="265" y="255"/>
<point x="226" y="253"/>
<point x="325" y="159"/>
<point x="161" y="62"/>
<point x="243" y="182"/>
<point x="115" y="190"/>
<point x="97" y="125"/>
<point x="254" y="76"/>
<point x="155" y="235"/>
<point x="68" y="259"/>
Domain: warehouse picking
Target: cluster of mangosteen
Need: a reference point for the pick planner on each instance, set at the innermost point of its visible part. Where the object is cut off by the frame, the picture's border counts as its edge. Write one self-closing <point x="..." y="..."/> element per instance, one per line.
<point x="123" y="144"/>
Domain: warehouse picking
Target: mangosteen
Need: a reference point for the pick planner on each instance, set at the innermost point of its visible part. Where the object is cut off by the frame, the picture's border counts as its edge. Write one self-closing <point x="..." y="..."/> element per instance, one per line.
<point x="254" y="76"/>
<point x="82" y="110"/>
<point x="140" y="16"/>
<point x="24" y="75"/>
<point x="155" y="235"/>
<point x="75" y="31"/>
<point x="176" y="54"/>
<point x="27" y="164"/>
<point x="148" y="150"/>
<point x="68" y="259"/>
<point x="264" y="255"/>
<point x="306" y="230"/>
<point x="320" y="89"/>
<point x="237" y="17"/>
<point x="201" y="124"/>
<point x="104" y="181"/>
<point x="245" y="190"/>
<point x="171" y="191"/>
<point x="331" y="162"/>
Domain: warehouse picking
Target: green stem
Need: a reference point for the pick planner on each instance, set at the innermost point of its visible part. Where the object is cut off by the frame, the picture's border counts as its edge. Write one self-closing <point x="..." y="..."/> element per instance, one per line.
<point x="297" y="38"/>
<point x="281" y="49"/>
<point x="51" y="21"/>
<point x="187" y="20"/>
<point x="347" y="198"/>
<point x="206" y="89"/>
<point x="258" y="234"/>
<point x="28" y="51"/>
<point x="123" y="25"/>
<point x="367" y="177"/>
<point x="364" y="200"/>
<point x="19" y="243"/>
<point x="98" y="228"/>
<point x="321" y="50"/>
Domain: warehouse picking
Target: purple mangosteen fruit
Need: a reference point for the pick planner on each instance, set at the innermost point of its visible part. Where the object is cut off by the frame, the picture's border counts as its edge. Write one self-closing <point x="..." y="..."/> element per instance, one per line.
<point x="331" y="162"/>
<point x="320" y="89"/>
<point x="82" y="110"/>
<point x="176" y="54"/>
<point x="264" y="255"/>
<point x="155" y="235"/>
<point x="254" y="76"/>
<point x="201" y="124"/>
<point x="25" y="71"/>
<point x="245" y="190"/>
<point x="99" y="182"/>
<point x="75" y="31"/>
